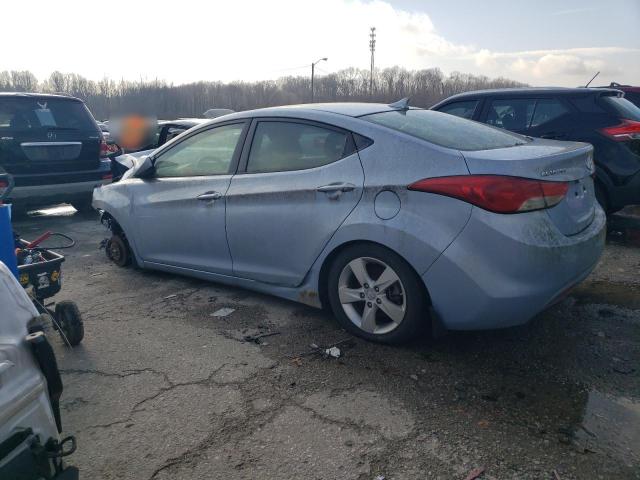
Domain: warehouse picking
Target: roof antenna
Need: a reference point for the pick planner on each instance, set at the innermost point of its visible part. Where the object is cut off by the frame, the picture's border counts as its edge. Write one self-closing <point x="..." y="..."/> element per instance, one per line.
<point x="401" y="104"/>
<point x="592" y="79"/>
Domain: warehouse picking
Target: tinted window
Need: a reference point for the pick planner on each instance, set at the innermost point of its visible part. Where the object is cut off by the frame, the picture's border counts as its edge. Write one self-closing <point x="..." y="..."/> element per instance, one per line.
<point x="622" y="107"/>
<point x="446" y="130"/>
<point x="547" y="110"/>
<point x="460" y="109"/>
<point x="587" y="104"/>
<point x="284" y="146"/>
<point x="206" y="153"/>
<point x="28" y="114"/>
<point x="633" y="97"/>
<point x="511" y="114"/>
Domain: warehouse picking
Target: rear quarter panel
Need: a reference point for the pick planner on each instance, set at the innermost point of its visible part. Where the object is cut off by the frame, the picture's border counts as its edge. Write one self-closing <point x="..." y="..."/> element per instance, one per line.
<point x="425" y="224"/>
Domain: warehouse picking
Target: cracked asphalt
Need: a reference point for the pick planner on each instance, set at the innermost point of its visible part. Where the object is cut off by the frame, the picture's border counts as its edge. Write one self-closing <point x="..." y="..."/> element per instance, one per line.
<point x="162" y="389"/>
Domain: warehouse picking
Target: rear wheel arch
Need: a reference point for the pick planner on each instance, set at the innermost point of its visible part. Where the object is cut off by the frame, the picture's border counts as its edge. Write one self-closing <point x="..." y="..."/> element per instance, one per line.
<point x="323" y="277"/>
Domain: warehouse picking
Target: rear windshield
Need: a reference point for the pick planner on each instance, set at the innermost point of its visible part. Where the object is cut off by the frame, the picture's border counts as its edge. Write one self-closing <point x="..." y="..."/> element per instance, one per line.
<point x="622" y="106"/>
<point x="28" y="114"/>
<point x="446" y="130"/>
<point x="633" y="97"/>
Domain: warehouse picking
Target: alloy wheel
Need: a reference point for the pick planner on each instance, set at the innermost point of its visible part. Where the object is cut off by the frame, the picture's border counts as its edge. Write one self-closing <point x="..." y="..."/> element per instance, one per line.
<point x="372" y="295"/>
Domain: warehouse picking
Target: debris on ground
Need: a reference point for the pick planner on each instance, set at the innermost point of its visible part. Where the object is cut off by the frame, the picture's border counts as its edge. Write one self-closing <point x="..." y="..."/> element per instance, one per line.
<point x="413" y="376"/>
<point x="223" y="312"/>
<point x="327" y="350"/>
<point x="475" y="473"/>
<point x="380" y="477"/>
<point x="333" y="352"/>
<point x="556" y="475"/>
<point x="168" y="297"/>
<point x="258" y="338"/>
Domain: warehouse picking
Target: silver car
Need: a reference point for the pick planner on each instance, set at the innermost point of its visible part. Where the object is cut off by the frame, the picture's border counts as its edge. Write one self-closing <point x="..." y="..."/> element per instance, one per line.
<point x="394" y="217"/>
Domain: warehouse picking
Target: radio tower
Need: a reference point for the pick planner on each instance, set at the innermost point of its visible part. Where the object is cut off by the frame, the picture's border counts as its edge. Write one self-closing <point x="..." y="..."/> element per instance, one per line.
<point x="372" y="47"/>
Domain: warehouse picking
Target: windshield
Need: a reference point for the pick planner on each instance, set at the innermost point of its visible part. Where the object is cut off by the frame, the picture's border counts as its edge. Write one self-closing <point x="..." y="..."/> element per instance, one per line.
<point x="446" y="130"/>
<point x="27" y="114"/>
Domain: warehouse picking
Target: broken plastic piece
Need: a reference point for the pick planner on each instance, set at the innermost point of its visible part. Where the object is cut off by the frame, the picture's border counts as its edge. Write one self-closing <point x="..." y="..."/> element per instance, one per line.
<point x="223" y="312"/>
<point x="333" y="352"/>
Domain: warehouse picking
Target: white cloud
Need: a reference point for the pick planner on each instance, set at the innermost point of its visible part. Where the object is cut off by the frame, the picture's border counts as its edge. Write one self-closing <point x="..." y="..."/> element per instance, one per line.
<point x="249" y="40"/>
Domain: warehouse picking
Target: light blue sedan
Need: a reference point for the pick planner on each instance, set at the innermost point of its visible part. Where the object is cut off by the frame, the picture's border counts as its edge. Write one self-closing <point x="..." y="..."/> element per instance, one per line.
<point x="396" y="218"/>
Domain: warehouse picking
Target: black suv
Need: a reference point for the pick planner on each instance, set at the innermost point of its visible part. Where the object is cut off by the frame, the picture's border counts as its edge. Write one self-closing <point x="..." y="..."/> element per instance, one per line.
<point x="600" y="116"/>
<point x="52" y="146"/>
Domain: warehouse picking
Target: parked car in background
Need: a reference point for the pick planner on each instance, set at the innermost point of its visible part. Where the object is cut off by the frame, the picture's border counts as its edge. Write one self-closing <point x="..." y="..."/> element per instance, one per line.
<point x="599" y="116"/>
<point x="378" y="211"/>
<point x="52" y="145"/>
<point x="216" y="112"/>
<point x="631" y="93"/>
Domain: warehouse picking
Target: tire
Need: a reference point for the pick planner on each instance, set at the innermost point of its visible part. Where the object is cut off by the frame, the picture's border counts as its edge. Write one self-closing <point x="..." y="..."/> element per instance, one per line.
<point x="400" y="292"/>
<point x="118" y="251"/>
<point x="83" y="206"/>
<point x="70" y="320"/>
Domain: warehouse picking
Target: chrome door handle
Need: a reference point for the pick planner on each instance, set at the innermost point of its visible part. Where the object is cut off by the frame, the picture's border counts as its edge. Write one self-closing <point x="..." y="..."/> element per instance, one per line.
<point x="209" y="196"/>
<point x="336" y="187"/>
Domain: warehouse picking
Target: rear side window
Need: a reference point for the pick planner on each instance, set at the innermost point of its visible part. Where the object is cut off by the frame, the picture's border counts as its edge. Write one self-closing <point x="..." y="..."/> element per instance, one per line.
<point x="511" y="114"/>
<point x="461" y="109"/>
<point x="547" y="110"/>
<point x="622" y="107"/>
<point x="30" y="114"/>
<point x="446" y="130"/>
<point x="587" y="104"/>
<point x="285" y="146"/>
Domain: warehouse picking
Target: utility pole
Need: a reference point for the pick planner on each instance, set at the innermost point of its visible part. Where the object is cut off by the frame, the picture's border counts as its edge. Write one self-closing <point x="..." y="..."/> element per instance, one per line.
<point x="372" y="47"/>
<point x="313" y="69"/>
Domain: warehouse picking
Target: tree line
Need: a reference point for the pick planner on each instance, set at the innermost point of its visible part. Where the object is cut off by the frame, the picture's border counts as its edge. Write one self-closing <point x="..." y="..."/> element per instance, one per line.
<point x="166" y="100"/>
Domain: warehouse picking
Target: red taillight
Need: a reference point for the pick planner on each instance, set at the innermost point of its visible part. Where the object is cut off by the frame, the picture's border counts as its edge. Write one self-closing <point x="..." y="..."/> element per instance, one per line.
<point x="107" y="176"/>
<point x="104" y="148"/>
<point x="496" y="193"/>
<point x="627" y="130"/>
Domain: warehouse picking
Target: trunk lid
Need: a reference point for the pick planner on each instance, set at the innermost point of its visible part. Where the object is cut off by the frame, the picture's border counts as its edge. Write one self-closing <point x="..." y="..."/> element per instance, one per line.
<point x="547" y="160"/>
<point x="41" y="135"/>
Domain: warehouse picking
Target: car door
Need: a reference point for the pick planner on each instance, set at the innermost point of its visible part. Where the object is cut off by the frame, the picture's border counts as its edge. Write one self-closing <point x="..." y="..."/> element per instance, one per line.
<point x="297" y="183"/>
<point x="179" y="213"/>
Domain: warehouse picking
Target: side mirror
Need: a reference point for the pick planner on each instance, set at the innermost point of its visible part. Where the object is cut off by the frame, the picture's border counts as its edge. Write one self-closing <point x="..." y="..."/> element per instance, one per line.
<point x="145" y="169"/>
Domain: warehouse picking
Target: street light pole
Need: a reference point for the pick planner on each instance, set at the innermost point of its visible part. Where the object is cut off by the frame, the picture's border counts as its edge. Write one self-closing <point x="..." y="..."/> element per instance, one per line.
<point x="313" y="69"/>
<point x="372" y="47"/>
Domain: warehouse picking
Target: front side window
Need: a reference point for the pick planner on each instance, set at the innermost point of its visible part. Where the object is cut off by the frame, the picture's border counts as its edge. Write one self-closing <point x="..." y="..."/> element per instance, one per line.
<point x="511" y="114"/>
<point x="285" y="146"/>
<point x="206" y="153"/>
<point x="461" y="109"/>
<point x="446" y="130"/>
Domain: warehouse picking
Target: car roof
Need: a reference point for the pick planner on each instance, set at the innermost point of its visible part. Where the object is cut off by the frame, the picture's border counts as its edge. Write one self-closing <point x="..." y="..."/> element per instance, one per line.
<point x="184" y="122"/>
<point x="59" y="96"/>
<point x="528" y="91"/>
<point x="345" y="108"/>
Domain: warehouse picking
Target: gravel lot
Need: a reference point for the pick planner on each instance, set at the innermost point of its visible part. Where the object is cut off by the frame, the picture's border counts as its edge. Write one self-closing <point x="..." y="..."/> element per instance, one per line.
<point x="162" y="389"/>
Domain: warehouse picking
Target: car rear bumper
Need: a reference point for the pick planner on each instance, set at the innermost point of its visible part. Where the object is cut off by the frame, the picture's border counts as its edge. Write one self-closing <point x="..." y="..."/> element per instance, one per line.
<point x="502" y="270"/>
<point x="58" y="187"/>
<point x="627" y="194"/>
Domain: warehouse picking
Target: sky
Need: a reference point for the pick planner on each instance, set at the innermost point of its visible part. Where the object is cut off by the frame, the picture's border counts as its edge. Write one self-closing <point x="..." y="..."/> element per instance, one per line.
<point x="541" y="42"/>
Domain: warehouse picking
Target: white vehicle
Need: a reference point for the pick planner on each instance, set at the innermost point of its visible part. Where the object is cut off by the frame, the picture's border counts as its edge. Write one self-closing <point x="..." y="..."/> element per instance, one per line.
<point x="30" y="388"/>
